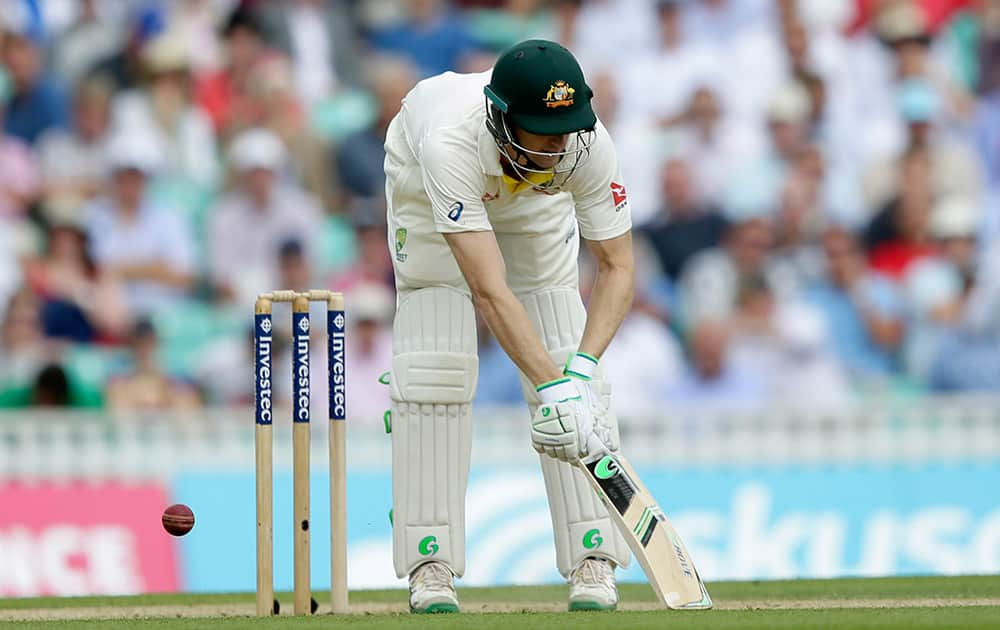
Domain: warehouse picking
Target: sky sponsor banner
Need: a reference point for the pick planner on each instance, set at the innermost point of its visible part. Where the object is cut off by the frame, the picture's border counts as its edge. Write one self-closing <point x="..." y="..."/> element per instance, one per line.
<point x="81" y="539"/>
<point x="738" y="524"/>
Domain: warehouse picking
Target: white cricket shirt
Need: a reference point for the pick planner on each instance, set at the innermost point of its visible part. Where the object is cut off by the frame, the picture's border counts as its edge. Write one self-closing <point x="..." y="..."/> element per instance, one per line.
<point x="443" y="175"/>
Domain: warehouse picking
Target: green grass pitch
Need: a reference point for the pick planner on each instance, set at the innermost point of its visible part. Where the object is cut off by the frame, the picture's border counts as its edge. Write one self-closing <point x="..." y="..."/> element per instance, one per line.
<point x="926" y="602"/>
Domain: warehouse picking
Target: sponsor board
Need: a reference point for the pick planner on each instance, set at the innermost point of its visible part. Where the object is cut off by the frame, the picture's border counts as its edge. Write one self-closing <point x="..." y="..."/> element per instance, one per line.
<point x="738" y="524"/>
<point x="82" y="539"/>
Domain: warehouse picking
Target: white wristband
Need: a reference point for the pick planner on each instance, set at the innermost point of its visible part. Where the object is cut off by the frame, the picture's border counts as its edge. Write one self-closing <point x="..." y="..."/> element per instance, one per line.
<point x="581" y="365"/>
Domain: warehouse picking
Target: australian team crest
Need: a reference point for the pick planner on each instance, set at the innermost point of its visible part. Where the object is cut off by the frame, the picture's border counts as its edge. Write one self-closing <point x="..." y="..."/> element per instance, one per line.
<point x="560" y="94"/>
<point x="400" y="244"/>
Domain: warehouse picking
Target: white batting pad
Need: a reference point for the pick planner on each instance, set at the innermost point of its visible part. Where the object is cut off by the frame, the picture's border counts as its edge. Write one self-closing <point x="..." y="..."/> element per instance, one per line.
<point x="580" y="522"/>
<point x="434" y="371"/>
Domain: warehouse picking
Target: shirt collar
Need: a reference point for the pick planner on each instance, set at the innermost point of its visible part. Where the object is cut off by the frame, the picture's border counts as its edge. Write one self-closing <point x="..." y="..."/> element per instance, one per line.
<point x="533" y="179"/>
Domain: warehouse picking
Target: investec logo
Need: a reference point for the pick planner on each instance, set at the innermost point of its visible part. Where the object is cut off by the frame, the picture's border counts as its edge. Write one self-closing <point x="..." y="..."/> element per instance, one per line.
<point x="302" y="372"/>
<point x="264" y="373"/>
<point x="337" y="367"/>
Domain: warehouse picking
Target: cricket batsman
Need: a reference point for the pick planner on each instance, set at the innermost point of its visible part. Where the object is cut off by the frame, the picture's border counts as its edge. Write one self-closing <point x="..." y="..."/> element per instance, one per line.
<point x="488" y="178"/>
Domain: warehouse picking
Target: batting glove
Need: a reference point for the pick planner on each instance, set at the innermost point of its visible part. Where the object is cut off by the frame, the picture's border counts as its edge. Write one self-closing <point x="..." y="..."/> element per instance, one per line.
<point x="583" y="367"/>
<point x="564" y="425"/>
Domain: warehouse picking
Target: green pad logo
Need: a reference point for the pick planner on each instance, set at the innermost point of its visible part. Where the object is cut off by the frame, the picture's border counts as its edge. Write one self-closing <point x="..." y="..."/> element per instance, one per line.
<point x="592" y="539"/>
<point x="606" y="468"/>
<point x="428" y="546"/>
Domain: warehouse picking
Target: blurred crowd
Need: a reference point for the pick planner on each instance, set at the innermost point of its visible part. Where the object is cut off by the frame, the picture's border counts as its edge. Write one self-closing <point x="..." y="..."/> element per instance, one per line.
<point x="815" y="187"/>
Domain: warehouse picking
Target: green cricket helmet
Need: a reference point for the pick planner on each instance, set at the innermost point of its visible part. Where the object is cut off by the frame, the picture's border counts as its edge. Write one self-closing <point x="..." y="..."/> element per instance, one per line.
<point x="538" y="86"/>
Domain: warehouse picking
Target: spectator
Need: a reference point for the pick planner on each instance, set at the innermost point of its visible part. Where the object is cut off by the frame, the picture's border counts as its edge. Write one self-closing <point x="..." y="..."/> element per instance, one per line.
<point x="280" y="111"/>
<point x="810" y="373"/>
<point x="37" y="103"/>
<point x="125" y="67"/>
<point x="430" y="36"/>
<point x="711" y="378"/>
<point x="715" y="145"/>
<point x="686" y="225"/>
<point x="249" y="224"/>
<point x="20" y="181"/>
<point x="10" y="267"/>
<point x="81" y="302"/>
<point x="899" y="234"/>
<point x="74" y="161"/>
<point x="642" y="387"/>
<point x="162" y="112"/>
<point x="987" y="52"/>
<point x="900" y="55"/>
<point x="863" y="309"/>
<point x="688" y="64"/>
<point x="752" y="63"/>
<point x="565" y="14"/>
<point x="954" y="168"/>
<point x="227" y="96"/>
<point x="753" y="181"/>
<point x="22" y="340"/>
<point x="220" y="371"/>
<point x="787" y="343"/>
<point x="147" y="247"/>
<point x="796" y="260"/>
<point x="757" y="186"/>
<point x="711" y="279"/>
<point x="197" y="23"/>
<point x="51" y="387"/>
<point x="720" y="21"/>
<point x="905" y="30"/>
<point x="145" y="386"/>
<point x="360" y="156"/>
<point x="510" y="21"/>
<point x="607" y="33"/>
<point x="987" y="130"/>
<point x="317" y="36"/>
<point x="294" y="270"/>
<point x="953" y="340"/>
<point x="92" y="37"/>
<point x="372" y="263"/>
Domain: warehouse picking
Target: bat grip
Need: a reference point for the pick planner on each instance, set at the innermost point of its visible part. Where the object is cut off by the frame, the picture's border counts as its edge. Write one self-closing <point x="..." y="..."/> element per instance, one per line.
<point x="596" y="449"/>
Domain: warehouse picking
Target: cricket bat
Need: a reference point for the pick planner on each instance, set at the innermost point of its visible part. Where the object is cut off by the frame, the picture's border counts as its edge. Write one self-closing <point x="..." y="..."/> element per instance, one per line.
<point x="661" y="553"/>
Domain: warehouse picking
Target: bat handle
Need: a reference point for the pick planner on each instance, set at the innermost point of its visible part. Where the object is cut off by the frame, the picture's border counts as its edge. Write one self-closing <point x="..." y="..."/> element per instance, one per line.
<point x="596" y="449"/>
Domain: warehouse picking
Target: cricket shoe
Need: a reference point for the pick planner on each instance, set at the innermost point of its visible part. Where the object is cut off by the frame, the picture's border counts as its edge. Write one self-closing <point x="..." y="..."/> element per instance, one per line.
<point x="432" y="589"/>
<point x="592" y="585"/>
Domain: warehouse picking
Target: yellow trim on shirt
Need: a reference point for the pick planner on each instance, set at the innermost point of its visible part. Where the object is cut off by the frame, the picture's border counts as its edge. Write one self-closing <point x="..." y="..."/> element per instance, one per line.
<point x="517" y="185"/>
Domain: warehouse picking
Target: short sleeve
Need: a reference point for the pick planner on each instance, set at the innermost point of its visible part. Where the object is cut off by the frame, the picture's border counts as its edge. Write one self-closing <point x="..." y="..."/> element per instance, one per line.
<point x="599" y="192"/>
<point x="454" y="184"/>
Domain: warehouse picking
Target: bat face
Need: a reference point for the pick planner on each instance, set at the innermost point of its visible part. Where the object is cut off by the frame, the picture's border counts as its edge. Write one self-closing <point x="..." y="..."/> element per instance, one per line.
<point x="649" y="534"/>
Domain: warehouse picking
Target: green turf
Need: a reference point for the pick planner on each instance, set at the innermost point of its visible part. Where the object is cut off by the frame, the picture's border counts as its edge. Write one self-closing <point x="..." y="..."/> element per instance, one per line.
<point x="844" y="619"/>
<point x="918" y="616"/>
<point x="869" y="588"/>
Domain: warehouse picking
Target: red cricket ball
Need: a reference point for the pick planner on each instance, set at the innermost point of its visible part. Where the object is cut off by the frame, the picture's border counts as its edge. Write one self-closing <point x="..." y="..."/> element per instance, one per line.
<point x="178" y="519"/>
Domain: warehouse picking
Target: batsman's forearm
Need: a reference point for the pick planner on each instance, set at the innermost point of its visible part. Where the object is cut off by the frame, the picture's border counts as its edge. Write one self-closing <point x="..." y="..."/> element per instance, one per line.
<point x="509" y="322"/>
<point x="610" y="301"/>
